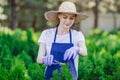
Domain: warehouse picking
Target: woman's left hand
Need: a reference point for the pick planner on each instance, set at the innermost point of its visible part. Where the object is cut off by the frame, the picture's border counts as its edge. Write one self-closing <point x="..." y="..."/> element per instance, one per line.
<point x="71" y="53"/>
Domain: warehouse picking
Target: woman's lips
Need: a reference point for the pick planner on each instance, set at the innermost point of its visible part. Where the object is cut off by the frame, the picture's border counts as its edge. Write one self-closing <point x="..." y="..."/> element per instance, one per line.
<point x="67" y="24"/>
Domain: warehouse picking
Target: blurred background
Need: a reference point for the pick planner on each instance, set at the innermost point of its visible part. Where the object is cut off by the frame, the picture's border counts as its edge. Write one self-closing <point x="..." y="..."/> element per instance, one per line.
<point x="21" y="24"/>
<point x="103" y="14"/>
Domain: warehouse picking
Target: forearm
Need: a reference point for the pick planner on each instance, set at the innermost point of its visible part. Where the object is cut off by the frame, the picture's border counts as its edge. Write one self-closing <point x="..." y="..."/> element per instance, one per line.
<point x="41" y="53"/>
<point x="40" y="59"/>
<point x="82" y="48"/>
<point x="82" y="52"/>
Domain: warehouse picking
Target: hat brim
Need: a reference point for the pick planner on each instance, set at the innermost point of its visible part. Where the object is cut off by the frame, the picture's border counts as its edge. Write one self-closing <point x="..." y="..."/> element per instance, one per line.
<point x="52" y="16"/>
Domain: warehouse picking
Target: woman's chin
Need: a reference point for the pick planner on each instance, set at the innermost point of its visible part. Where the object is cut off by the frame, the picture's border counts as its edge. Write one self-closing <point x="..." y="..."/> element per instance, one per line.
<point x="66" y="27"/>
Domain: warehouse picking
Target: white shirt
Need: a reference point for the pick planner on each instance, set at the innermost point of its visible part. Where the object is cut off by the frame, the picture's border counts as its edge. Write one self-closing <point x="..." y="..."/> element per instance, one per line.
<point x="47" y="37"/>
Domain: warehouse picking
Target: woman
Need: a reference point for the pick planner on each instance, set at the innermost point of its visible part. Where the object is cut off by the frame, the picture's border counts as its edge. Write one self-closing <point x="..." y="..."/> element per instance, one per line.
<point x="62" y="44"/>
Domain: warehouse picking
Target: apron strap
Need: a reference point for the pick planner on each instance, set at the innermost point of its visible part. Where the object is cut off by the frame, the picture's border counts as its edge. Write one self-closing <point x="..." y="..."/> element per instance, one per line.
<point x="56" y="35"/>
<point x="73" y="69"/>
<point x="70" y="36"/>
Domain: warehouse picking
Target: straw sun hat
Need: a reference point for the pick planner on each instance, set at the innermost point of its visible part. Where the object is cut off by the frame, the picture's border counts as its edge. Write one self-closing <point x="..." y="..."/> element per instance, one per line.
<point x="65" y="7"/>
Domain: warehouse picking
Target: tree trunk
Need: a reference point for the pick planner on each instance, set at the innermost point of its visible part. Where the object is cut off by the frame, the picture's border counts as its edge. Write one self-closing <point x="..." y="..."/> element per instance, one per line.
<point x="34" y="22"/>
<point x="43" y="9"/>
<point x="114" y="21"/>
<point x="96" y="14"/>
<point x="13" y="23"/>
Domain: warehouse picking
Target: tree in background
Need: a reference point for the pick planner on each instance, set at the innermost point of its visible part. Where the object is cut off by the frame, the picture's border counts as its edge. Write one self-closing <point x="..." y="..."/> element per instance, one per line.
<point x="90" y="5"/>
<point x="13" y="20"/>
<point x="30" y="13"/>
<point x="2" y="15"/>
<point x="26" y="13"/>
<point x="110" y="6"/>
<point x="99" y="6"/>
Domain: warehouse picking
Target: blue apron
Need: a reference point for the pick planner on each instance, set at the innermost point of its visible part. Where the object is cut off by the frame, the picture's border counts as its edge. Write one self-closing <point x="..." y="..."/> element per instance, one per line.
<point x="58" y="50"/>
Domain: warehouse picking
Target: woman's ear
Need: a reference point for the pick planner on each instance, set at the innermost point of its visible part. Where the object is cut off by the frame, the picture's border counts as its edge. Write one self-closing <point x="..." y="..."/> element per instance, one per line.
<point x="58" y="15"/>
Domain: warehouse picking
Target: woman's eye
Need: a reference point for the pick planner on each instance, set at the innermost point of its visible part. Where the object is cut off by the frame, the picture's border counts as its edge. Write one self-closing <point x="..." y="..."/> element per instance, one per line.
<point x="72" y="18"/>
<point x="65" y="17"/>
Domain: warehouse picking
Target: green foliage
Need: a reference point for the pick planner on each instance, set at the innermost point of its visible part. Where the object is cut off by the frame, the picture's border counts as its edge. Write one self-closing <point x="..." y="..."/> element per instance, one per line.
<point x="18" y="71"/>
<point x="5" y="57"/>
<point x="36" y="71"/>
<point x="32" y="48"/>
<point x="3" y="73"/>
<point x="18" y="52"/>
<point x="103" y="57"/>
<point x="25" y="57"/>
<point x="65" y="74"/>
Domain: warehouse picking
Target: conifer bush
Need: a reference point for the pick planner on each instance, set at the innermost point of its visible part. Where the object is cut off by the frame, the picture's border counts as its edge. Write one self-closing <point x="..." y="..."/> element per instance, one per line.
<point x="19" y="49"/>
<point x="18" y="71"/>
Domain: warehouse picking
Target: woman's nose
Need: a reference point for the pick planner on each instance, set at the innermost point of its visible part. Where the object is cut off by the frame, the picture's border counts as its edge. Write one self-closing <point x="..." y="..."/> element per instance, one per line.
<point x="68" y="20"/>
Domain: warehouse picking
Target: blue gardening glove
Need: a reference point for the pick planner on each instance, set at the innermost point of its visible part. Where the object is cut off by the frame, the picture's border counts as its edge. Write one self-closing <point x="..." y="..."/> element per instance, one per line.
<point x="71" y="53"/>
<point x="48" y="60"/>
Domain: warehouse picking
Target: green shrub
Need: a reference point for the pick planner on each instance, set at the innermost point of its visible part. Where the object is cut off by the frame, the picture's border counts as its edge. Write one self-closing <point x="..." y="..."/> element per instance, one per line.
<point x="19" y="49"/>
<point x="36" y="71"/>
<point x="18" y="71"/>
<point x="26" y="58"/>
<point x="3" y="73"/>
<point x="32" y="46"/>
<point x="64" y="75"/>
<point x="5" y="57"/>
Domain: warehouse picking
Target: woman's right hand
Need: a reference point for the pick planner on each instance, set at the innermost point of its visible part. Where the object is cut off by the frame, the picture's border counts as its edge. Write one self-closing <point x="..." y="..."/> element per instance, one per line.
<point x="48" y="60"/>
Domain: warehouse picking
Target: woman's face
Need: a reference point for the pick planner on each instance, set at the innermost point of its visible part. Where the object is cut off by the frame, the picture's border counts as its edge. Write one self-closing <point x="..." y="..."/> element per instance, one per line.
<point x="66" y="20"/>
